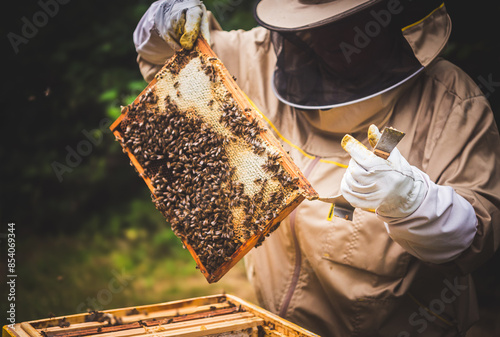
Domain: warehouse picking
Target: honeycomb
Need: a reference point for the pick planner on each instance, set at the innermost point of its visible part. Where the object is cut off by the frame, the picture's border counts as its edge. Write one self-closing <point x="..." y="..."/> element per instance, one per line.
<point x="217" y="174"/>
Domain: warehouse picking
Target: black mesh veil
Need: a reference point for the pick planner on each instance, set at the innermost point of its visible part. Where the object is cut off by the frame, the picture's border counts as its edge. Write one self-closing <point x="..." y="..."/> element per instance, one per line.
<point x="342" y="62"/>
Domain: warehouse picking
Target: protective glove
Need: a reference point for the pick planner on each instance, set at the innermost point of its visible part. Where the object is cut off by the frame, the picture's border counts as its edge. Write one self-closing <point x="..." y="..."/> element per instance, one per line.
<point x="179" y="22"/>
<point x="392" y="187"/>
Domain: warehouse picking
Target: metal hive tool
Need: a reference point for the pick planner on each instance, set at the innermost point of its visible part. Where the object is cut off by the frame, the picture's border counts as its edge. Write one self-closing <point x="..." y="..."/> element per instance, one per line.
<point x="220" y="178"/>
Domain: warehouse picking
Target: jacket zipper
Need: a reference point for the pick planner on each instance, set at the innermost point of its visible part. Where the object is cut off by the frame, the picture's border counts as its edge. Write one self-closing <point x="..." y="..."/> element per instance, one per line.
<point x="298" y="254"/>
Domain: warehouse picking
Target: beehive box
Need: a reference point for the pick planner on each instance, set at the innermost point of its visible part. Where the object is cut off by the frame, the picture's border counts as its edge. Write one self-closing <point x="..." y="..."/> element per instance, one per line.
<point x="217" y="174"/>
<point x="214" y="316"/>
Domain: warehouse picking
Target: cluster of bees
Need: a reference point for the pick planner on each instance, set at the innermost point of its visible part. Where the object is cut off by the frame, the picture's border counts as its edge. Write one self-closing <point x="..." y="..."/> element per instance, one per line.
<point x="195" y="187"/>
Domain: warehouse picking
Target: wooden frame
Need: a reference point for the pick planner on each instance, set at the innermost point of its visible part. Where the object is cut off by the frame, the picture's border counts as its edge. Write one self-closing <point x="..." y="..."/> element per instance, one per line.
<point x="250" y="110"/>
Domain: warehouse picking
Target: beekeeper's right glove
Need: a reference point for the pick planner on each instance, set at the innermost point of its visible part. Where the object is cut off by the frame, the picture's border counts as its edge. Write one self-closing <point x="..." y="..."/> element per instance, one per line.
<point x="391" y="186"/>
<point x="179" y="22"/>
<point x="430" y="221"/>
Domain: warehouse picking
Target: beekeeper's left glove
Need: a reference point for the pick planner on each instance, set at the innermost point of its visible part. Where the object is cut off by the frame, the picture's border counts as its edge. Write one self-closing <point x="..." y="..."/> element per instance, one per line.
<point x="179" y="22"/>
<point x="392" y="187"/>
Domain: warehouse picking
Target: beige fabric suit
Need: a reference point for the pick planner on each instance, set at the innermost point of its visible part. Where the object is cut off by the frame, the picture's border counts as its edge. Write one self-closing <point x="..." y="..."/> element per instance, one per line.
<point x="341" y="278"/>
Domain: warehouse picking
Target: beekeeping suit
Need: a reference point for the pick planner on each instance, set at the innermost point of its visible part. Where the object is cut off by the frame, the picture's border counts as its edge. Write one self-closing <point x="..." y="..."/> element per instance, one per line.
<point x="319" y="70"/>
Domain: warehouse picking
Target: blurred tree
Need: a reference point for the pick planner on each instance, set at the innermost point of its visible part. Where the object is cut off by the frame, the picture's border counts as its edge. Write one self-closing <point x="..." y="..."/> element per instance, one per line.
<point x="62" y="85"/>
<point x="54" y="100"/>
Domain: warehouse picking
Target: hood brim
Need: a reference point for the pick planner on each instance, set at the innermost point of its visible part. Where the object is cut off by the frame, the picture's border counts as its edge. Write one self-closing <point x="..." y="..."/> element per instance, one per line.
<point x="295" y="15"/>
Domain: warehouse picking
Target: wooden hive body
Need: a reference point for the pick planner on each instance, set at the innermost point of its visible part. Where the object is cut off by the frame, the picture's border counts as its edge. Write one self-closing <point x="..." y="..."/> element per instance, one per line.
<point x="214" y="316"/>
<point x="220" y="178"/>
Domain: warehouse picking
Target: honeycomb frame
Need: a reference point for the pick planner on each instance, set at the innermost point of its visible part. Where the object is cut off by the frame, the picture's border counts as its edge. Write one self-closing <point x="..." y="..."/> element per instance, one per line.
<point x="233" y="123"/>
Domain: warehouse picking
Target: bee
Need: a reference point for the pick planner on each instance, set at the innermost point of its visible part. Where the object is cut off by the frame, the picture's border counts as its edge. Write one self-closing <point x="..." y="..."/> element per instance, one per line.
<point x="131" y="312"/>
<point x="274" y="157"/>
<point x="63" y="323"/>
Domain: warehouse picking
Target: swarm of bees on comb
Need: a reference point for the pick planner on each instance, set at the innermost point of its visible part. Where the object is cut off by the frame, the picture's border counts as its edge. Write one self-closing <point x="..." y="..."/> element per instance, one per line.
<point x="216" y="173"/>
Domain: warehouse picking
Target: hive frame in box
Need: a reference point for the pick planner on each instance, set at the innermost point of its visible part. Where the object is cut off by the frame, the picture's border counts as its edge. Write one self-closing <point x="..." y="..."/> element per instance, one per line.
<point x="209" y="315"/>
<point x="246" y="105"/>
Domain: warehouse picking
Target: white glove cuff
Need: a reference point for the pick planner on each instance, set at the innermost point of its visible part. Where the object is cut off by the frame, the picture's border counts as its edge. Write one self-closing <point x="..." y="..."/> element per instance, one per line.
<point x="148" y="43"/>
<point x="440" y="229"/>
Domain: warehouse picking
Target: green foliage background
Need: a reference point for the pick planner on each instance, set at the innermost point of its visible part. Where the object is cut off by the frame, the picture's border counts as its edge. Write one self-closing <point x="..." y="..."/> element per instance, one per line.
<point x="70" y="77"/>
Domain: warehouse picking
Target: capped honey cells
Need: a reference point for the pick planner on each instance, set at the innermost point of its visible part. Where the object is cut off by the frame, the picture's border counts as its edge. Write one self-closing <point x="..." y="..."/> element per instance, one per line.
<point x="216" y="173"/>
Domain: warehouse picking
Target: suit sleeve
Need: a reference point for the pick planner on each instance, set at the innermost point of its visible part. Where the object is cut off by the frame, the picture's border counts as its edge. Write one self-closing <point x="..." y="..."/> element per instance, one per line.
<point x="442" y="227"/>
<point x="467" y="157"/>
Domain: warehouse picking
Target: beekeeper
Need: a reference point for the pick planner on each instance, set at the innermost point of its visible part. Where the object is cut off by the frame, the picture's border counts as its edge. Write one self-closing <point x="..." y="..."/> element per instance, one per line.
<point x="424" y="219"/>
